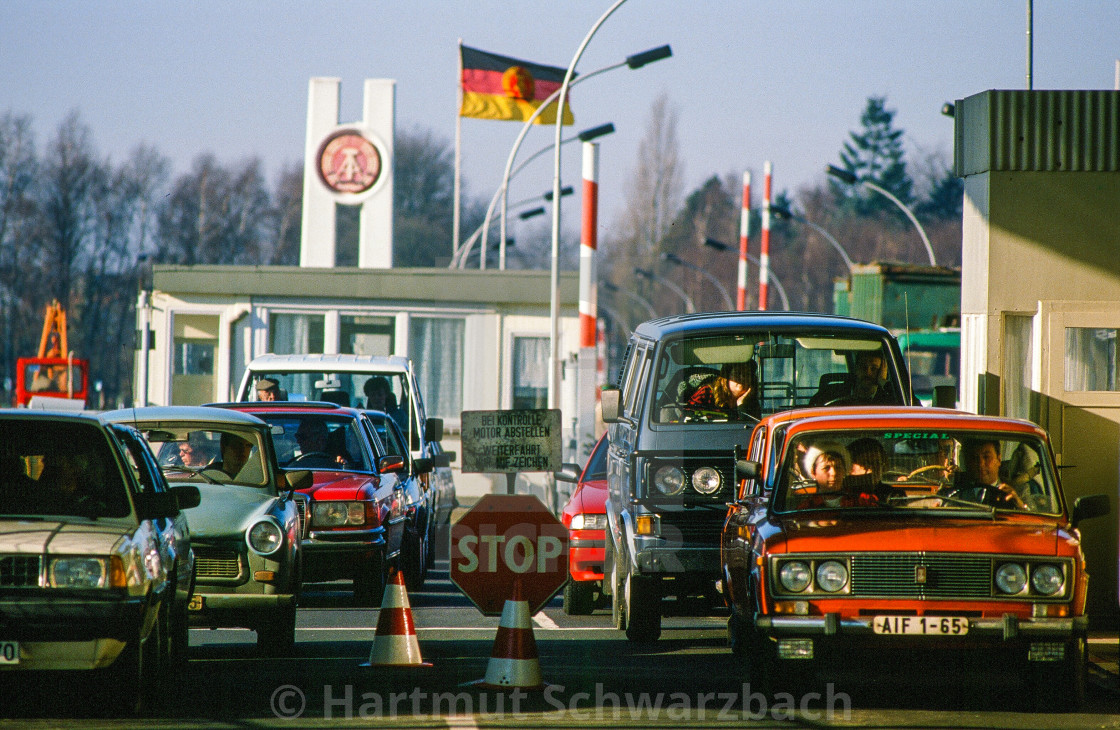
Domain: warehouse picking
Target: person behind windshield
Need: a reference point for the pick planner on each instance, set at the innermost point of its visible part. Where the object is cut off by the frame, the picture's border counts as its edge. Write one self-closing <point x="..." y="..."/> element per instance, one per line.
<point x="827" y="466"/>
<point x="379" y="397"/>
<point x="235" y="454"/>
<point x="869" y="459"/>
<point x="869" y="383"/>
<point x="734" y="392"/>
<point x="193" y="453"/>
<point x="64" y="483"/>
<point x="980" y="481"/>
<point x="268" y="390"/>
<point x="313" y="439"/>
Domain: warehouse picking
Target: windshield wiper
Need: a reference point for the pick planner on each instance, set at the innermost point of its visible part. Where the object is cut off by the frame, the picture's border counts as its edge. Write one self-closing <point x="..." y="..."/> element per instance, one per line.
<point x="197" y="471"/>
<point x="944" y="497"/>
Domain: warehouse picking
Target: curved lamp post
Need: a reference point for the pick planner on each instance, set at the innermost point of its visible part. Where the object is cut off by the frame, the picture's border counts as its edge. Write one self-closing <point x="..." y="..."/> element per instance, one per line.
<point x="721" y="246"/>
<point x="847" y="177"/>
<point x="632" y="296"/>
<point x="674" y="259"/>
<point x="554" y="278"/>
<point x="783" y="212"/>
<point x="459" y="261"/>
<point x="689" y="307"/>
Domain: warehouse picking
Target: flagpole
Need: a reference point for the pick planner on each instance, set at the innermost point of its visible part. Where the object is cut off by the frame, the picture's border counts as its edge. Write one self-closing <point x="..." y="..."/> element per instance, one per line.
<point x="458" y="157"/>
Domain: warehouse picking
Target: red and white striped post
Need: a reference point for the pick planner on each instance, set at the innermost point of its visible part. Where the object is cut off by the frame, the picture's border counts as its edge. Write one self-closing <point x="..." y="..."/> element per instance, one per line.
<point x="588" y="301"/>
<point x="744" y="237"/>
<point x="764" y="252"/>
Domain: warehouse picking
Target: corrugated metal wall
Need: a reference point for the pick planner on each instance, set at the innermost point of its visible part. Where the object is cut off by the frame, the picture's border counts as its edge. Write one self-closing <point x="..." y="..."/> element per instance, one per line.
<point x="1036" y="131"/>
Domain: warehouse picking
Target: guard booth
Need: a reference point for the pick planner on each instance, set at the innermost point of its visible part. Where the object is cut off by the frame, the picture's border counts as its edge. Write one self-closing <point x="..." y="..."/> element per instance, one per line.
<point x="1040" y="285"/>
<point x="479" y="340"/>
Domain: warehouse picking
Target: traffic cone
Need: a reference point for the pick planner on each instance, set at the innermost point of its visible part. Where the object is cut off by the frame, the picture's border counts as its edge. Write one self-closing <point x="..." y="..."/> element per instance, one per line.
<point x="513" y="661"/>
<point x="395" y="644"/>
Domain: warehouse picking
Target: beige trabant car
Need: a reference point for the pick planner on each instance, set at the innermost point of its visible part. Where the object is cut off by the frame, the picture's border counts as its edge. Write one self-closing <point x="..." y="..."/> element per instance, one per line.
<point x="95" y="556"/>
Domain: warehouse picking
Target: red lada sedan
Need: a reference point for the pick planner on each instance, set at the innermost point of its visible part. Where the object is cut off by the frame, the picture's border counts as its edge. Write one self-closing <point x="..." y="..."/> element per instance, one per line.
<point x="355" y="512"/>
<point x="893" y="535"/>
<point x="585" y="516"/>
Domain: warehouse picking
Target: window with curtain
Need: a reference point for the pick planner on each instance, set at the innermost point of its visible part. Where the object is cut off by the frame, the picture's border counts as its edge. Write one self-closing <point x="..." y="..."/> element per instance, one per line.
<point x="1017" y="354"/>
<point x="1090" y="359"/>
<point x="295" y="334"/>
<point x="435" y="345"/>
<point x="530" y="372"/>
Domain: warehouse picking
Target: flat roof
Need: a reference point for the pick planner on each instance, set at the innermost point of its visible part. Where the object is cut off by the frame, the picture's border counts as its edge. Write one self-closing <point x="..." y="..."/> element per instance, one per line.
<point x="467" y="286"/>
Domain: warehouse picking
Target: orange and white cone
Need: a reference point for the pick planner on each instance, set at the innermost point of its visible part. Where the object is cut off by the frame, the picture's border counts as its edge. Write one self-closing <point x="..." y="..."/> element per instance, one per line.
<point x="395" y="644"/>
<point x="514" y="661"/>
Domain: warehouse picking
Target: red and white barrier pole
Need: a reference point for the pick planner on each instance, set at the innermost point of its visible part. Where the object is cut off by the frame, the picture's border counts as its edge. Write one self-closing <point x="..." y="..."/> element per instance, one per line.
<point x="588" y="303"/>
<point x="764" y="253"/>
<point x="744" y="237"/>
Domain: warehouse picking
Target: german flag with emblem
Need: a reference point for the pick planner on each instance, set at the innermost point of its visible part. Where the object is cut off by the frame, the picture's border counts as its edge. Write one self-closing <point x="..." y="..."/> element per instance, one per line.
<point x="499" y="87"/>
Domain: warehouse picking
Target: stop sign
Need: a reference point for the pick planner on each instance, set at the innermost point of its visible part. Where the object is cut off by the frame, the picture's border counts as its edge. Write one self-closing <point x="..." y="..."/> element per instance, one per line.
<point x="506" y="540"/>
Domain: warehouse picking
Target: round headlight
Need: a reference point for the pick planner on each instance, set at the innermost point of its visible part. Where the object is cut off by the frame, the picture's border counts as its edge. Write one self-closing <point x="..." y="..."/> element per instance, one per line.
<point x="706" y="480"/>
<point x="669" y="480"/>
<point x="795" y="576"/>
<point x="832" y="576"/>
<point x="265" y="537"/>
<point x="1047" y="579"/>
<point x="1011" y="578"/>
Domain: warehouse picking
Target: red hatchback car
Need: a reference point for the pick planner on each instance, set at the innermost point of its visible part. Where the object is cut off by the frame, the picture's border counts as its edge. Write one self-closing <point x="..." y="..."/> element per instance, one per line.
<point x="355" y="509"/>
<point x="585" y="516"/>
<point x="883" y="536"/>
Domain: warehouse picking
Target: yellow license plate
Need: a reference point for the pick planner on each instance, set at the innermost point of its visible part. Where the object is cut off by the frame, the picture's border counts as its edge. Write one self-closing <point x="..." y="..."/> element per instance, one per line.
<point x="9" y="652"/>
<point x="920" y="625"/>
<point x="195" y="603"/>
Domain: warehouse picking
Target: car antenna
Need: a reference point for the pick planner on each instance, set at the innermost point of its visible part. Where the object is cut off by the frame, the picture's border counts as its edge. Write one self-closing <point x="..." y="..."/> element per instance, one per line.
<point x="909" y="342"/>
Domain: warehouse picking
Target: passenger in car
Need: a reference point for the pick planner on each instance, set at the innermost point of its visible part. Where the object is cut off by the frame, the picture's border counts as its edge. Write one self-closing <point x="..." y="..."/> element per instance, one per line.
<point x="734" y="392"/>
<point x="827" y="464"/>
<point x="869" y="460"/>
<point x="235" y="454"/>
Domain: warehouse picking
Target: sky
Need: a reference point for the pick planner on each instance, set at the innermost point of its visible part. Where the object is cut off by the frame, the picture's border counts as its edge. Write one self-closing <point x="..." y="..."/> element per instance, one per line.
<point x="749" y="81"/>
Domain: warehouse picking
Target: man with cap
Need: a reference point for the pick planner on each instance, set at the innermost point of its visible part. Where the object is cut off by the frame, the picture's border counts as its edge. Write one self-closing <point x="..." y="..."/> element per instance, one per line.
<point x="268" y="390"/>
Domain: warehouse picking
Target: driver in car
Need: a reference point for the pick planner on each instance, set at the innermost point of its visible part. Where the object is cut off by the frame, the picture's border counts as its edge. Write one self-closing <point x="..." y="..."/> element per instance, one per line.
<point x="312" y="437"/>
<point x="980" y="481"/>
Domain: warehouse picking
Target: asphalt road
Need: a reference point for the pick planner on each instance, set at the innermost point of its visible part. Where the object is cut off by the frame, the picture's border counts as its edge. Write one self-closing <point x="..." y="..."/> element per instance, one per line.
<point x="594" y="677"/>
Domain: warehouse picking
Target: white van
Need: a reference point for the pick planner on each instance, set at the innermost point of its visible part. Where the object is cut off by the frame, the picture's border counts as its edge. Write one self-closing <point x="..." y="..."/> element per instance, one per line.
<point x="343" y="379"/>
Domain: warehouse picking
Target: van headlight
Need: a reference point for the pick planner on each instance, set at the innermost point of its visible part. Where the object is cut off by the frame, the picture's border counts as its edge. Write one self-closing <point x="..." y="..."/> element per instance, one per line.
<point x="706" y="480"/>
<point x="669" y="480"/>
<point x="265" y="537"/>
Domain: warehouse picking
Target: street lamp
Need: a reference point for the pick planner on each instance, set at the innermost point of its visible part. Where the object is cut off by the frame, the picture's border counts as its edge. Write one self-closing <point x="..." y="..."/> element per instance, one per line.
<point x="782" y="211"/>
<point x="674" y="259"/>
<point x="632" y="296"/>
<point x="847" y="177"/>
<point x="721" y="246"/>
<point x="459" y="260"/>
<point x="649" y="275"/>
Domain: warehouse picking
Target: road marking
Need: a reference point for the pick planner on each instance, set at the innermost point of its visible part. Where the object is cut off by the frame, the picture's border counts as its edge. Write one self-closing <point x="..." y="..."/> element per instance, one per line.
<point x="461" y="722"/>
<point x="545" y="622"/>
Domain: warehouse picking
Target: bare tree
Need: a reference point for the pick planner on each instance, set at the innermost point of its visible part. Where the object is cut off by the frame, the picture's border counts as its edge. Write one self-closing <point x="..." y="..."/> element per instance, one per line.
<point x="287" y="214"/>
<point x="17" y="253"/>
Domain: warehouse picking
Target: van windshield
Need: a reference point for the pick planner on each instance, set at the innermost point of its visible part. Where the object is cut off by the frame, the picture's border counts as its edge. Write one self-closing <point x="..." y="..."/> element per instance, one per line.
<point x="743" y="377"/>
<point x="376" y="391"/>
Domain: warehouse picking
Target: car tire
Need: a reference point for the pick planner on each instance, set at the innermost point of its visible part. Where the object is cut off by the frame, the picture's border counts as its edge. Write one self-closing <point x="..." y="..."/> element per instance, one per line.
<point x="369" y="585"/>
<point x="738" y="630"/>
<point x="579" y="597"/>
<point x="1060" y="686"/>
<point x="277" y="636"/>
<point x="762" y="662"/>
<point x="123" y="688"/>
<point x="643" y="608"/>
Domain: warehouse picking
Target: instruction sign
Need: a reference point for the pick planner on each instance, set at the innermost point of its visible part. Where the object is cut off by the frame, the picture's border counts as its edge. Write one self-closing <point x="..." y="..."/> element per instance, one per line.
<point x="511" y="441"/>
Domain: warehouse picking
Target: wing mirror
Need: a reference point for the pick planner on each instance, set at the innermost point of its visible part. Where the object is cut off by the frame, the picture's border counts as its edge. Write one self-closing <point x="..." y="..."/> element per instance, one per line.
<point x="1093" y="505"/>
<point x="746" y="469"/>
<point x="423" y="466"/>
<point x="301" y="479"/>
<point x="444" y="458"/>
<point x="611" y="400"/>
<point x="568" y="473"/>
<point x="391" y="464"/>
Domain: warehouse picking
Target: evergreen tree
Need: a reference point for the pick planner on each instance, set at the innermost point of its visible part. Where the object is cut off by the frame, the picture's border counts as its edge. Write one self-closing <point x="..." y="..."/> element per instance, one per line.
<point x="874" y="154"/>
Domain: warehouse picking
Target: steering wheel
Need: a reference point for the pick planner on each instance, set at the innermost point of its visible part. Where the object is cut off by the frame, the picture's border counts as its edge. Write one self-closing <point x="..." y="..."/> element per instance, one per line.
<point x="923" y="469"/>
<point x="984" y="490"/>
<point x="311" y="456"/>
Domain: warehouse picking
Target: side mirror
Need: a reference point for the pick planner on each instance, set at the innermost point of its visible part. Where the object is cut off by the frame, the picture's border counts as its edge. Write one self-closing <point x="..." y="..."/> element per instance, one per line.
<point x="157" y="506"/>
<point x="187" y="496"/>
<point x="746" y="469"/>
<point x="444" y="459"/>
<point x="391" y="463"/>
<point x="568" y="473"/>
<point x="1093" y="505"/>
<point x="423" y="466"/>
<point x="297" y="480"/>
<point x="433" y="429"/>
<point x="945" y="396"/>
<point x="611" y="400"/>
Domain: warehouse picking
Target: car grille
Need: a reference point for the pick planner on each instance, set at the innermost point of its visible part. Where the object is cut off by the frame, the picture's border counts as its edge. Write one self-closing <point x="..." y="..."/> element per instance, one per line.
<point x="301" y="508"/>
<point x="216" y="563"/>
<point x="946" y="575"/>
<point x="692" y="526"/>
<point x="19" y="570"/>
